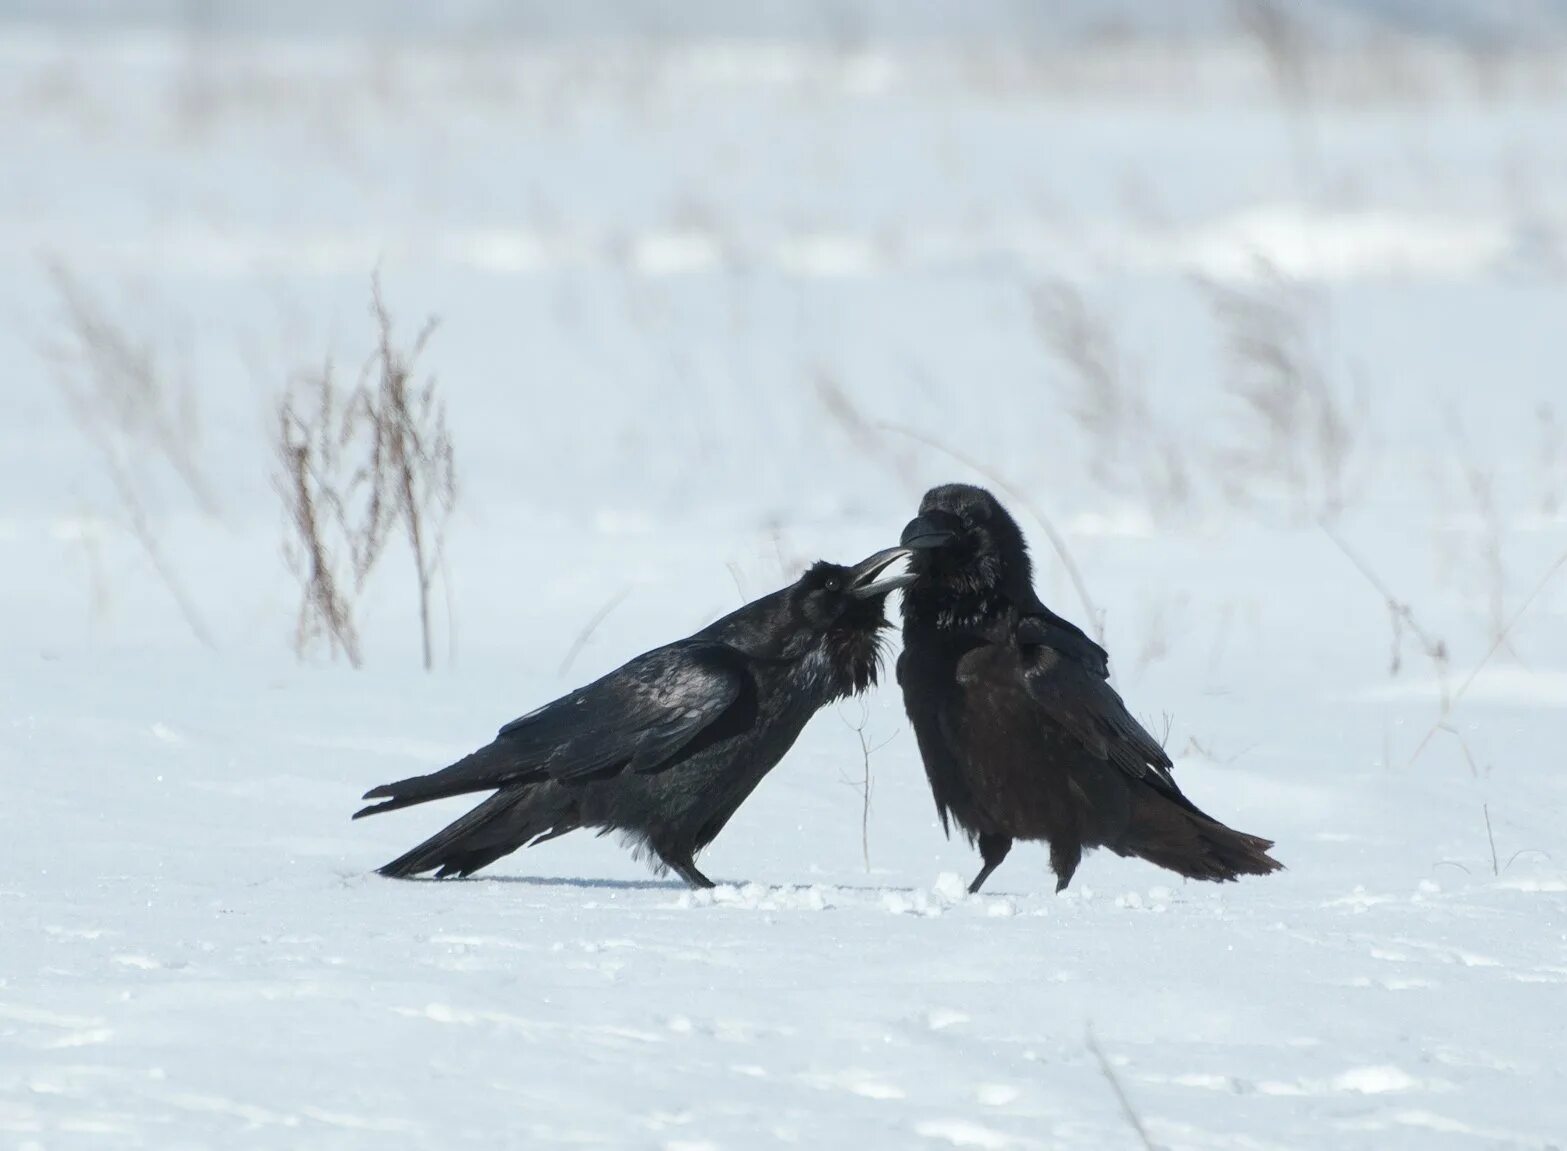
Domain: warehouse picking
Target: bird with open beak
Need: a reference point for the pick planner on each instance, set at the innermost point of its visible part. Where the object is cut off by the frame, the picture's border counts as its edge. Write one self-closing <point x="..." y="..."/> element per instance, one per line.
<point x="667" y="747"/>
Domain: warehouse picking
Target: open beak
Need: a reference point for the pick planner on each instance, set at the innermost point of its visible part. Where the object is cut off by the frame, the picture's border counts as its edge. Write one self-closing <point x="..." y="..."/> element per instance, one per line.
<point x="863" y="583"/>
<point x="928" y="531"/>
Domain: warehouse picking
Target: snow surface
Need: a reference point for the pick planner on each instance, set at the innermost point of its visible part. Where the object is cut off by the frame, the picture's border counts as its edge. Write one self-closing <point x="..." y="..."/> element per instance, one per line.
<point x="681" y="289"/>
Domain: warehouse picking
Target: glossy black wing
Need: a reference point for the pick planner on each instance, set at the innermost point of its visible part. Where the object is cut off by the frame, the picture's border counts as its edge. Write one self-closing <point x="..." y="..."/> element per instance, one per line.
<point x="1046" y="629"/>
<point x="635" y="718"/>
<point x="638" y="716"/>
<point x="1067" y="675"/>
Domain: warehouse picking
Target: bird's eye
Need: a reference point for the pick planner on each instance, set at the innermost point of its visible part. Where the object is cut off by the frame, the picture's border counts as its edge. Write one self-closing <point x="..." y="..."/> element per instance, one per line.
<point x="831" y="584"/>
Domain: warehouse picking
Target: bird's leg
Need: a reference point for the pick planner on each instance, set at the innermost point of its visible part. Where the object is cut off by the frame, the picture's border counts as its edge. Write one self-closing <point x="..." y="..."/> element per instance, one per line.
<point x="993" y="849"/>
<point x="685" y="867"/>
<point x="1064" y="858"/>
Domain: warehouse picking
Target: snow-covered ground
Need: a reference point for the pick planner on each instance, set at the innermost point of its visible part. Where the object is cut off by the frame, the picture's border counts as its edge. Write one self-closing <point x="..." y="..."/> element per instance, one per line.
<point x="710" y="310"/>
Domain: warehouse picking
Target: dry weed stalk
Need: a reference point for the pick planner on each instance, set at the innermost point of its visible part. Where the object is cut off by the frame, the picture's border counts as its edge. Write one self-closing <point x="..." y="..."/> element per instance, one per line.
<point x="1480" y="486"/>
<point x="132" y="413"/>
<point x="1283" y="40"/>
<point x="1400" y="615"/>
<point x="355" y="469"/>
<point x="864" y="784"/>
<point x="861" y="432"/>
<point x="411" y="477"/>
<point x="1482" y="492"/>
<point x="1109" y="402"/>
<point x="1296" y="433"/>
<point x="1498" y="868"/>
<point x="121" y="388"/>
<point x="1450" y="702"/>
<point x="1286" y="45"/>
<point x="312" y="434"/>
<point x="589" y="628"/>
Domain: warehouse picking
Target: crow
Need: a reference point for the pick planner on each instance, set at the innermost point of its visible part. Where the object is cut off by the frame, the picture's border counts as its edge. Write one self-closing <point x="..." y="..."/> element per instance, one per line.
<point x="667" y="747"/>
<point x="1021" y="733"/>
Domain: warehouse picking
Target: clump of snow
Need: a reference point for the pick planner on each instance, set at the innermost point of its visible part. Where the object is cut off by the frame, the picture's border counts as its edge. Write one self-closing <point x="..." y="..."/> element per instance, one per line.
<point x="758" y="897"/>
<point x="1375" y="1080"/>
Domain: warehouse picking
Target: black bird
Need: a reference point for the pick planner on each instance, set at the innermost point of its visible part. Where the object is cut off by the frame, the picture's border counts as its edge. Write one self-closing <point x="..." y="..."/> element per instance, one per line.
<point x="1022" y="735"/>
<point x="667" y="747"/>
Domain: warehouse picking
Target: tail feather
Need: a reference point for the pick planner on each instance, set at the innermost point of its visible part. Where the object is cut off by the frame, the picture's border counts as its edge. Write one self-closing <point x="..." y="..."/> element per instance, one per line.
<point x="492" y="766"/>
<point x="513" y="817"/>
<point x="1190" y="842"/>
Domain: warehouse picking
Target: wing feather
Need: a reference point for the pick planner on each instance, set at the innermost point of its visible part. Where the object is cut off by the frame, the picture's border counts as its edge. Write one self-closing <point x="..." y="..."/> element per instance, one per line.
<point x="636" y="718"/>
<point x="1068" y="676"/>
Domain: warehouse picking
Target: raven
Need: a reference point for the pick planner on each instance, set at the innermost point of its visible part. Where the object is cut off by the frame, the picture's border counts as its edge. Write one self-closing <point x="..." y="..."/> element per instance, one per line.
<point x="1021" y="733"/>
<point x="667" y="747"/>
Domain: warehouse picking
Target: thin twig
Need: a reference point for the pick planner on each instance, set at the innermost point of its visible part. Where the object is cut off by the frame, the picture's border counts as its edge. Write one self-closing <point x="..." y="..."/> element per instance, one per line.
<point x="1401" y="614"/>
<point x="411" y="472"/>
<point x="1463" y="745"/>
<point x="1496" y="646"/>
<point x="1096" y="621"/>
<point x="589" y="628"/>
<point x="308" y="441"/>
<point x="864" y="782"/>
<point x="1486" y="808"/>
<point x="865" y="805"/>
<point x="142" y="530"/>
<point x="1546" y="855"/>
<point x="734" y="574"/>
<point x="1164" y="736"/>
<point x="1127" y="1109"/>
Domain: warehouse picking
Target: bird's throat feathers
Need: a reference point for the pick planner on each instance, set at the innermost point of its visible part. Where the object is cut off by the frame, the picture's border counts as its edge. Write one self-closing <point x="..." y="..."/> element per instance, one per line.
<point x="952" y="608"/>
<point x="846" y="662"/>
<point x="970" y="594"/>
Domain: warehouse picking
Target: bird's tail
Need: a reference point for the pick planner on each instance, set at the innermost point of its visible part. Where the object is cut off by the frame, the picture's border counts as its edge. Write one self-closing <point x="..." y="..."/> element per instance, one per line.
<point x="514" y="817"/>
<point x="1190" y="842"/>
<point x="492" y="766"/>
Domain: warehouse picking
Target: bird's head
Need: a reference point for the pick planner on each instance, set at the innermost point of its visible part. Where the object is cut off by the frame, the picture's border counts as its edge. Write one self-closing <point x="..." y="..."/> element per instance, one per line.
<point x="966" y="553"/>
<point x="839" y="613"/>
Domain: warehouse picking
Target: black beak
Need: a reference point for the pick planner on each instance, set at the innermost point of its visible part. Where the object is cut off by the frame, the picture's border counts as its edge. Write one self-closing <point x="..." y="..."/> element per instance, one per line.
<point x="932" y="530"/>
<point x="863" y="583"/>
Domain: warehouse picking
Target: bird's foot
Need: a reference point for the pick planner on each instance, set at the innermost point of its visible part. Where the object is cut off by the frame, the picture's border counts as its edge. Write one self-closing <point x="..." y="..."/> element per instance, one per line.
<point x="687" y="871"/>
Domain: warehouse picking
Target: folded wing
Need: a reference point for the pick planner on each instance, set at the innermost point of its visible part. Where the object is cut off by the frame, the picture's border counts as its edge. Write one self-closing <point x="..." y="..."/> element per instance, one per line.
<point x="1068" y="676"/>
<point x="636" y="718"/>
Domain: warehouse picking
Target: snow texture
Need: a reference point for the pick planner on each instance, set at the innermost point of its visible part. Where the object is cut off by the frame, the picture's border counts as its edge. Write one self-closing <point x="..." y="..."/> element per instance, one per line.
<point x="695" y="295"/>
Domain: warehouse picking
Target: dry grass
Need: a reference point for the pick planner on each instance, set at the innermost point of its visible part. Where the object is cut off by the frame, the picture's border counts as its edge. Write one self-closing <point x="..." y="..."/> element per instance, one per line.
<point x="312" y="440"/>
<point x="1498" y="866"/>
<point x="356" y="467"/>
<point x="1283" y="41"/>
<point x="139" y="418"/>
<point x="1295" y="437"/>
<point x="1483" y="560"/>
<point x="412" y="474"/>
<point x="1450" y="702"/>
<point x="1481" y="485"/>
<point x="862" y="433"/>
<point x="1130" y="453"/>
<point x="1400" y="615"/>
